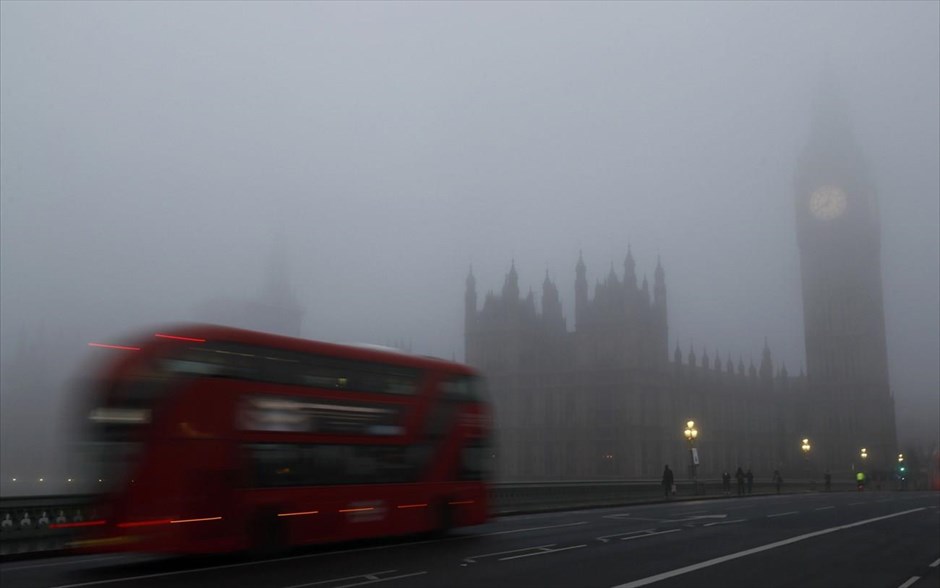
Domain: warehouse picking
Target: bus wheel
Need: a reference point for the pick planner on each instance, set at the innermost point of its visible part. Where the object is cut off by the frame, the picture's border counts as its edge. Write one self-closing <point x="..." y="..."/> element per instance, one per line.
<point x="266" y="534"/>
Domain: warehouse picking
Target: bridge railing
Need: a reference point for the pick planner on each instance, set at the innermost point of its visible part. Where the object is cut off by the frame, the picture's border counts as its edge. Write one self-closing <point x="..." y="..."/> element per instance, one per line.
<point x="30" y="524"/>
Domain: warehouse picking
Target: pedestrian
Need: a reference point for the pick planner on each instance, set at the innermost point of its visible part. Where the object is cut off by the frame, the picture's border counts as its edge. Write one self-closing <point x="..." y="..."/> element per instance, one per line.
<point x="726" y="483"/>
<point x="750" y="480"/>
<point x="828" y="478"/>
<point x="778" y="480"/>
<point x="667" y="481"/>
<point x="739" y="476"/>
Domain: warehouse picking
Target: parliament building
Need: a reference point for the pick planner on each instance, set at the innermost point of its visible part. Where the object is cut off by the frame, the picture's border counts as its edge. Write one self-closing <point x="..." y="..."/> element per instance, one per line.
<point x="607" y="400"/>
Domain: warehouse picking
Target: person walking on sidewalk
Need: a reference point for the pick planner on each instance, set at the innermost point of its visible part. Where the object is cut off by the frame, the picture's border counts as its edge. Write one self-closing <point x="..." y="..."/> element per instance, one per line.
<point x="667" y="481"/>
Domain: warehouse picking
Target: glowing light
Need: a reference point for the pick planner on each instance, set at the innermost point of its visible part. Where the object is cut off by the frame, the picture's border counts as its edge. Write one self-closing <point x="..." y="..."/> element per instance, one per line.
<point x="363" y="509"/>
<point x="178" y="521"/>
<point x="119" y="415"/>
<point x="412" y="505"/>
<point x="297" y="514"/>
<point x="69" y="480"/>
<point x="78" y="524"/>
<point x="121" y="347"/>
<point x="41" y="479"/>
<point x="179" y="338"/>
<point x="144" y="523"/>
<point x="14" y="479"/>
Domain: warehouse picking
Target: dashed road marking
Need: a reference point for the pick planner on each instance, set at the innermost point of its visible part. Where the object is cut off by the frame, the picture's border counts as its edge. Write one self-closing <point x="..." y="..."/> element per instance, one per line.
<point x="532" y="529"/>
<point x="746" y="552"/>
<point x="825" y="507"/>
<point x="543" y="551"/>
<point x="636" y="534"/>
<point x="724" y="522"/>
<point x="936" y="563"/>
<point x="783" y="514"/>
<point x="910" y="581"/>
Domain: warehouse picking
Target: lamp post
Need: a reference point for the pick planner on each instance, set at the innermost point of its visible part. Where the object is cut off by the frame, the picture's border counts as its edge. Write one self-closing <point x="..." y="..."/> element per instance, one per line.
<point x="902" y="472"/>
<point x="691" y="433"/>
<point x="805" y="446"/>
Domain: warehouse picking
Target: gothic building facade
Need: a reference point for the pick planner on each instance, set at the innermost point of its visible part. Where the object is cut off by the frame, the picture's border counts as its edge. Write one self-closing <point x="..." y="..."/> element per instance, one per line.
<point x="605" y="400"/>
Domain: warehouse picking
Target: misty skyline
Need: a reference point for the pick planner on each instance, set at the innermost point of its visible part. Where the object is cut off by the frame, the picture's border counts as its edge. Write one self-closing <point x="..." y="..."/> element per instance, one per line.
<point x="152" y="154"/>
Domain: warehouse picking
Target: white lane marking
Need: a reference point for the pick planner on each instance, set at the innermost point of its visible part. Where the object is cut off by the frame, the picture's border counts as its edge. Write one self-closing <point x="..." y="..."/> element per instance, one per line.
<point x="542" y="552"/>
<point x="310" y="555"/>
<point x="474" y="558"/>
<point x="699" y="517"/>
<point x="330" y="581"/>
<point x="382" y="580"/>
<point x="936" y="563"/>
<point x="604" y="538"/>
<point x="531" y="529"/>
<point x="649" y="534"/>
<point x="724" y="522"/>
<point x="62" y="563"/>
<point x="825" y="507"/>
<point x="635" y="534"/>
<point x="746" y="552"/>
<point x="783" y="514"/>
<point x="665" y="520"/>
<point x="910" y="581"/>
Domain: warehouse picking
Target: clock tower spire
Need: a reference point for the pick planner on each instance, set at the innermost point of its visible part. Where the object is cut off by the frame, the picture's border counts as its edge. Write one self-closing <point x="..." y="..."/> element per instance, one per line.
<point x="839" y="237"/>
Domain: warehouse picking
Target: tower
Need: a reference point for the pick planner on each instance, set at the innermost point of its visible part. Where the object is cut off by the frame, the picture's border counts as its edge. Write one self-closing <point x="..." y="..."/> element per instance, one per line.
<point x="838" y="233"/>
<point x="470" y="302"/>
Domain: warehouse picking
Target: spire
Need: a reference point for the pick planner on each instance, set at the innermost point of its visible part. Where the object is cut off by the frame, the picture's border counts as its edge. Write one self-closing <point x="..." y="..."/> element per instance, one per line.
<point x="629" y="270"/>
<point x="659" y="287"/>
<point x="470" y="299"/>
<point x="551" y="305"/>
<point x="580" y="293"/>
<point x="511" y="285"/>
<point x="766" y="363"/>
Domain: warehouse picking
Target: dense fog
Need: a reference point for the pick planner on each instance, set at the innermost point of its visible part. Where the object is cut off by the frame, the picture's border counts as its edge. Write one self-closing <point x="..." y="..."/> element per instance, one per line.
<point x="162" y="160"/>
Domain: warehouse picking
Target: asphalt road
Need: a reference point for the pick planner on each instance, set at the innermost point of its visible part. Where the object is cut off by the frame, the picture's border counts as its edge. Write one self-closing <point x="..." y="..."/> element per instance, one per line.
<point x="888" y="539"/>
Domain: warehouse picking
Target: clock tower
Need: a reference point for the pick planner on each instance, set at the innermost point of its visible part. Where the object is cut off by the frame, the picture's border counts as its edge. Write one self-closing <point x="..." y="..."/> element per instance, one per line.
<point x="839" y="237"/>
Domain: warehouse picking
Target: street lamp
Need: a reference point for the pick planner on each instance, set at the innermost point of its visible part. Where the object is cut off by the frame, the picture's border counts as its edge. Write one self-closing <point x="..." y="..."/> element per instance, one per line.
<point x="806" y="447"/>
<point x="691" y="433"/>
<point x="864" y="453"/>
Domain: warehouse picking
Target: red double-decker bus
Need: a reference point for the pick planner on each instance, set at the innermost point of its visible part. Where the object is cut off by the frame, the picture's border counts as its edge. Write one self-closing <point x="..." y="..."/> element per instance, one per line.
<point x="218" y="439"/>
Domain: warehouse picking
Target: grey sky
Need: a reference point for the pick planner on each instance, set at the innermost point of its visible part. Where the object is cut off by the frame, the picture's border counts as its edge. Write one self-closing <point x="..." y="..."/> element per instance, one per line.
<point x="152" y="151"/>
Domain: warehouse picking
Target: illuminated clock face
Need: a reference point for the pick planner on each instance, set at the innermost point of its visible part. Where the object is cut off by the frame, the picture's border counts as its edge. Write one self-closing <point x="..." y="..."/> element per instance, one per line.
<point x="827" y="202"/>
